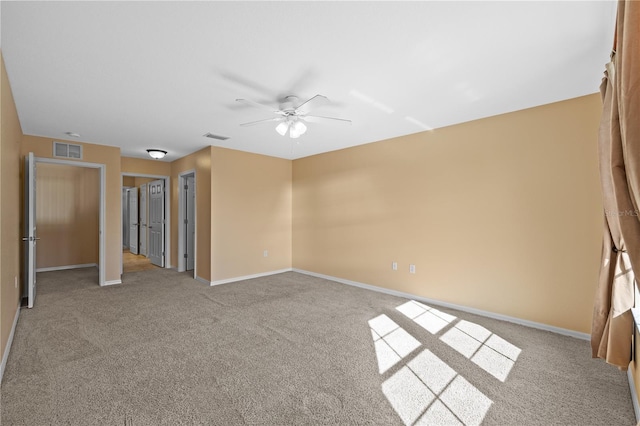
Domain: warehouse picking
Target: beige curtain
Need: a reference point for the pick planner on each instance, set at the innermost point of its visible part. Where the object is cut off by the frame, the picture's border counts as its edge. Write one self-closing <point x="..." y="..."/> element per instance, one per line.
<point x="619" y="148"/>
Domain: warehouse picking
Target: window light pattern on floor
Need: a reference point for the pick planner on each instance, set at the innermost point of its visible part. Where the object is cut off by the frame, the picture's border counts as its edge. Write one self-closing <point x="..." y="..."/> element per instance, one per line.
<point x="488" y="351"/>
<point x="426" y="390"/>
<point x="425" y="316"/>
<point x="391" y="341"/>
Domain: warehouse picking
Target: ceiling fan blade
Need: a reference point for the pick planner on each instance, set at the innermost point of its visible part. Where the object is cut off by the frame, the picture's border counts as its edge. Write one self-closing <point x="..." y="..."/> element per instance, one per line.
<point x="251" y="123"/>
<point x="257" y="105"/>
<point x="311" y="101"/>
<point x="319" y="118"/>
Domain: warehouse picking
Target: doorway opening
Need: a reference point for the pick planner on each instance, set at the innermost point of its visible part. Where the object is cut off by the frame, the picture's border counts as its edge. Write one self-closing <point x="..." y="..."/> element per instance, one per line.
<point x="145" y="219"/>
<point x="187" y="224"/>
<point x="71" y="196"/>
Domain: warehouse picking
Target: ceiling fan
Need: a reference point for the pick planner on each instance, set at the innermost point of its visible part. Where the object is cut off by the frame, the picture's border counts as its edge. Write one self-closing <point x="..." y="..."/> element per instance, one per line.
<point x="291" y="118"/>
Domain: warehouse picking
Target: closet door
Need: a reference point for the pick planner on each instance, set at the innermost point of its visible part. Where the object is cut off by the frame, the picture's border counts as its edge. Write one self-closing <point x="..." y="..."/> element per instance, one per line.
<point x="156" y="222"/>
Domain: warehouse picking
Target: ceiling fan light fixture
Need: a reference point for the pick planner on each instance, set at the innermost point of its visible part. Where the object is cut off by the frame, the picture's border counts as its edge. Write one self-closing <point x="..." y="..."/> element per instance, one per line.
<point x="156" y="153"/>
<point x="282" y="128"/>
<point x="290" y="118"/>
<point x="293" y="134"/>
<point x="297" y="129"/>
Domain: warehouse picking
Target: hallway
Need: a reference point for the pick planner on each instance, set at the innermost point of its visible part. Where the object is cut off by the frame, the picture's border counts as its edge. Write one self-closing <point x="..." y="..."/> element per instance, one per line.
<point x="135" y="262"/>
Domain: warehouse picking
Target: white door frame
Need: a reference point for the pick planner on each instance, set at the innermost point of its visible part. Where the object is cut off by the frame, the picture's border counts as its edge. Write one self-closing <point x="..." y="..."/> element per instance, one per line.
<point x="182" y="266"/>
<point x="167" y="215"/>
<point x="101" y="234"/>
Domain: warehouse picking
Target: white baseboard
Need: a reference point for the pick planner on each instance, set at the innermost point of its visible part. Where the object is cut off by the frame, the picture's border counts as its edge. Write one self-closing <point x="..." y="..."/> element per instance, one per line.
<point x="532" y="324"/>
<point x="7" y="348"/>
<point x="111" y="282"/>
<point x="62" y="268"/>
<point x="246" y="277"/>
<point x="634" y="395"/>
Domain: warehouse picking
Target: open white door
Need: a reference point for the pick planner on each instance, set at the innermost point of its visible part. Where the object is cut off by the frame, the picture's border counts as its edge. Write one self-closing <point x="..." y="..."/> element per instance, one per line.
<point x="133" y="220"/>
<point x="125" y="218"/>
<point x="190" y="233"/>
<point x="143" y="219"/>
<point x="156" y="222"/>
<point x="30" y="229"/>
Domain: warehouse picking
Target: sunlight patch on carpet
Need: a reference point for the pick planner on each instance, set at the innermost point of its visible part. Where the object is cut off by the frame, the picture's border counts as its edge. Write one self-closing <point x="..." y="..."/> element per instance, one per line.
<point x="425" y="316"/>
<point x="407" y="395"/>
<point x="488" y="351"/>
<point x="426" y="391"/>
<point x="392" y="342"/>
<point x="468" y="403"/>
<point x="422" y="388"/>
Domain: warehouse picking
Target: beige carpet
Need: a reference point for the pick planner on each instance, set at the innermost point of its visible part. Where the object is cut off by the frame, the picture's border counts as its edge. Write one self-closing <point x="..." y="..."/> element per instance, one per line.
<point x="288" y="349"/>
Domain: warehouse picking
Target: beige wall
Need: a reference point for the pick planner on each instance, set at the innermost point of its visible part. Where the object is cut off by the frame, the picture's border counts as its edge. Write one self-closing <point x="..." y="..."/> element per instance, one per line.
<point x="128" y="181"/>
<point x="67" y="215"/>
<point x="200" y="162"/>
<point x="10" y="231"/>
<point x="243" y="207"/>
<point x="501" y="214"/>
<point x="251" y="205"/>
<point x="138" y="181"/>
<point x="145" y="167"/>
<point x="110" y="157"/>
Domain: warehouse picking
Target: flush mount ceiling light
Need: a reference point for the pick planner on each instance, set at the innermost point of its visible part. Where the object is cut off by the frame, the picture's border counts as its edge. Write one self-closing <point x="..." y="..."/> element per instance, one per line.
<point x="156" y="153"/>
<point x="72" y="134"/>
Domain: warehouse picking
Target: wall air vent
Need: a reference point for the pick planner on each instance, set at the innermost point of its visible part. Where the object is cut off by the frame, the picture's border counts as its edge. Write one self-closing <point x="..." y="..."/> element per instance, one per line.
<point x="212" y="136"/>
<point x="67" y="150"/>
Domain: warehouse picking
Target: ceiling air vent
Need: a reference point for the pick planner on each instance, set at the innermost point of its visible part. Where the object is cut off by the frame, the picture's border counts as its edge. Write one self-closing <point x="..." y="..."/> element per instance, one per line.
<point x="212" y="136"/>
<point x="67" y="150"/>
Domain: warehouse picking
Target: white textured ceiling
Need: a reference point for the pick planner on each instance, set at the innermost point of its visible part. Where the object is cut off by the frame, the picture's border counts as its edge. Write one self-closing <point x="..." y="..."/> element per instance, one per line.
<point x="161" y="74"/>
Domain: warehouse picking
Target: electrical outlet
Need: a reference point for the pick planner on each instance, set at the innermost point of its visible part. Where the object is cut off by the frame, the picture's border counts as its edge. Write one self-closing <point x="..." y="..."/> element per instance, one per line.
<point x="412" y="269"/>
<point x="266" y="253"/>
<point x="394" y="266"/>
